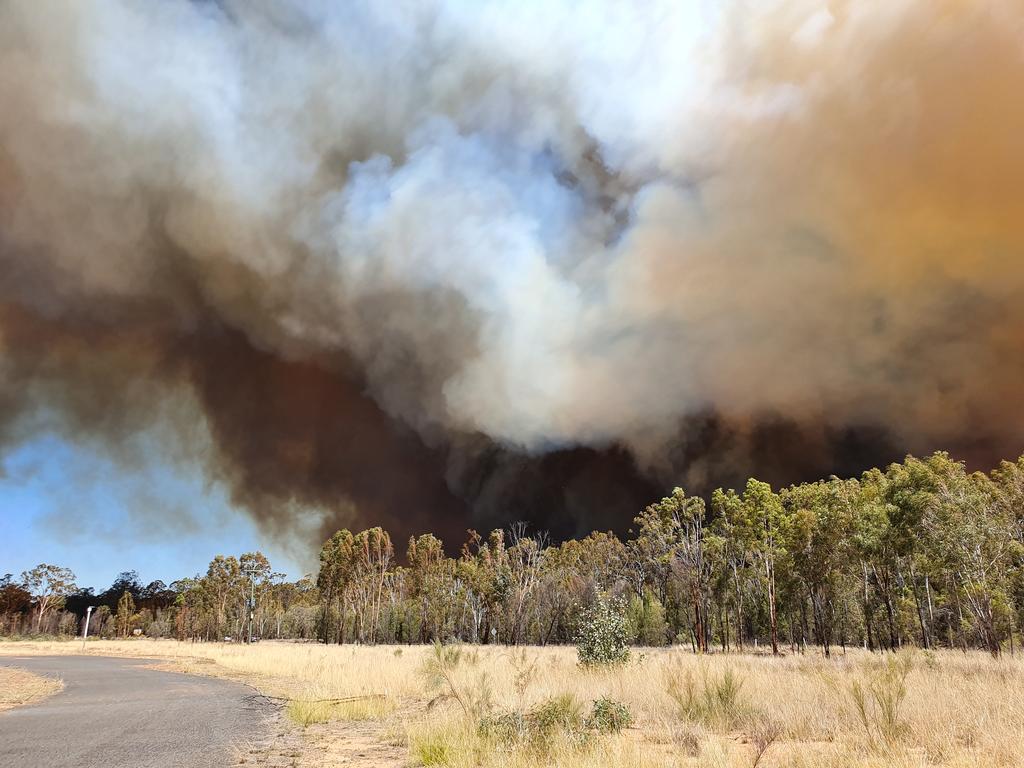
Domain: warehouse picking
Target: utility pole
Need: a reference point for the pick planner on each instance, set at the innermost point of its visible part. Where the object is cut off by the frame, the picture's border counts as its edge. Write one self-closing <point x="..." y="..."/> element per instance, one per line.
<point x="85" y="633"/>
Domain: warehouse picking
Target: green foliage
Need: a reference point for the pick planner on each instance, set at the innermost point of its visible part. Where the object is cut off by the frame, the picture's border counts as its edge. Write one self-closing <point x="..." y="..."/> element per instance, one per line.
<point x="559" y="713"/>
<point x="506" y="727"/>
<point x="922" y="552"/>
<point x="432" y="749"/>
<point x="125" y="611"/>
<point x="645" y="621"/>
<point x="557" y="719"/>
<point x="609" y="716"/>
<point x="602" y="636"/>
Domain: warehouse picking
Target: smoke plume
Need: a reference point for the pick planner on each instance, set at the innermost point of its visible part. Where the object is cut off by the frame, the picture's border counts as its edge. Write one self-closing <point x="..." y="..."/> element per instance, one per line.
<point x="435" y="264"/>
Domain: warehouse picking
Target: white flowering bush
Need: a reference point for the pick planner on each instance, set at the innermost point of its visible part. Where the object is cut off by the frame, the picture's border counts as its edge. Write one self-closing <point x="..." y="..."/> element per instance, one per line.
<point x="602" y="635"/>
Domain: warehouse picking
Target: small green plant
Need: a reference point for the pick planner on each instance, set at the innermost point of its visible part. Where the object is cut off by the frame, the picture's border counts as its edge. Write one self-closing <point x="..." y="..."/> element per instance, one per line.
<point x="558" y="714"/>
<point x="602" y="636"/>
<point x="712" y="700"/>
<point x="609" y="716"/>
<point x="306" y="713"/>
<point x="878" y="701"/>
<point x="443" y="742"/>
<point x="506" y="728"/>
<point x="432" y="751"/>
<point x="555" y="720"/>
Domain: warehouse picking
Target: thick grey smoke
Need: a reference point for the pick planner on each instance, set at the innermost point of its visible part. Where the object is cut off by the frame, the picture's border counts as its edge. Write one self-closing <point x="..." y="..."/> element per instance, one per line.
<point x="537" y="224"/>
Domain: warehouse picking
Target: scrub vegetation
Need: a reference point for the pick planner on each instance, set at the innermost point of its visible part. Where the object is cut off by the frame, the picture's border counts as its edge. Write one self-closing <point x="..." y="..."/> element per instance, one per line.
<point x="534" y="706"/>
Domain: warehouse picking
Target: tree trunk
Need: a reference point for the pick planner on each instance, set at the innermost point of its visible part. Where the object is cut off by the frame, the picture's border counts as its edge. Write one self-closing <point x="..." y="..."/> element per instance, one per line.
<point x="928" y="594"/>
<point x="869" y="639"/>
<point x="821" y="622"/>
<point x="960" y="620"/>
<point x="723" y="627"/>
<point x="772" y="618"/>
<point x="698" y="622"/>
<point x="925" y="635"/>
<point x="739" y="607"/>
<point x="803" y="626"/>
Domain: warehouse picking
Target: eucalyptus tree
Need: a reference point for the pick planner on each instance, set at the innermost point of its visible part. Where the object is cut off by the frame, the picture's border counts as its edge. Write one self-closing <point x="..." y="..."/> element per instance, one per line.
<point x="758" y="521"/>
<point x="49" y="585"/>
<point x="971" y="534"/>
<point x="820" y="520"/>
<point x="373" y="556"/>
<point x="337" y="566"/>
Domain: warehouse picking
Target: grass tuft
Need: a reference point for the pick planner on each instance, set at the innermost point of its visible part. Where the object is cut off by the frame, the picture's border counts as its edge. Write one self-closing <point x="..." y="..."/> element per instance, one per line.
<point x="306" y="713"/>
<point x="710" y="698"/>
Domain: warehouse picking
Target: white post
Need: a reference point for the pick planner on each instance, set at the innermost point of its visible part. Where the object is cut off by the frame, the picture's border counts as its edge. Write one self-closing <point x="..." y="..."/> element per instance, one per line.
<point x="85" y="634"/>
<point x="252" y="602"/>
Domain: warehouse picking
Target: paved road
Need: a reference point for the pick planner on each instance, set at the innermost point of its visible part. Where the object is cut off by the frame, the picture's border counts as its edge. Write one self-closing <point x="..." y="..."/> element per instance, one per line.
<point x="115" y="713"/>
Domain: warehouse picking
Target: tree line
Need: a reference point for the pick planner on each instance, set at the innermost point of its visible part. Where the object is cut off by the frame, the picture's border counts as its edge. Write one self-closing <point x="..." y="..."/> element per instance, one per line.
<point x="923" y="552"/>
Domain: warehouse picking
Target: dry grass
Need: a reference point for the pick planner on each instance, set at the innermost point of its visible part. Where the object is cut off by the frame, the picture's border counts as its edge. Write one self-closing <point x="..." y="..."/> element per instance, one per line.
<point x="854" y="711"/>
<point x="18" y="687"/>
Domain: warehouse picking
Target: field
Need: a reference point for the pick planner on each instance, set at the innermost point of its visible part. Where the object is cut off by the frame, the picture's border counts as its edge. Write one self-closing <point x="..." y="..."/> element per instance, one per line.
<point x="529" y="707"/>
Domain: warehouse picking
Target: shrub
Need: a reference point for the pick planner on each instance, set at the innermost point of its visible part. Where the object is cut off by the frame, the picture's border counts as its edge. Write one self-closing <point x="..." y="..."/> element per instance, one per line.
<point x="609" y="716"/>
<point x="555" y="720"/>
<point x="602" y="635"/>
<point x="506" y="728"/>
<point x="557" y="714"/>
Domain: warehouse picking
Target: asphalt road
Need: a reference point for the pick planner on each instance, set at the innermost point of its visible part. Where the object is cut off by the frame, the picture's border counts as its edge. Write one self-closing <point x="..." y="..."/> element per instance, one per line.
<point x="115" y="713"/>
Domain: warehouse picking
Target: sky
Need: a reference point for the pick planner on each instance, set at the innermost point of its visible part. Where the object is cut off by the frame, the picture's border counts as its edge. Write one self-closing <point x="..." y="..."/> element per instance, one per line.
<point x="71" y="505"/>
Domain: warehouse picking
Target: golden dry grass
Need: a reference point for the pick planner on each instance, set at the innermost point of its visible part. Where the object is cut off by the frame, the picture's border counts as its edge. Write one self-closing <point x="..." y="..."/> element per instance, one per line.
<point x="18" y="687"/>
<point x="958" y="709"/>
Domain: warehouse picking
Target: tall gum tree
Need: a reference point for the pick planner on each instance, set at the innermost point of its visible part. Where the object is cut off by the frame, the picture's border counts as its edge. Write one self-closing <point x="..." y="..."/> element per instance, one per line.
<point x="758" y="520"/>
<point x="49" y="585"/>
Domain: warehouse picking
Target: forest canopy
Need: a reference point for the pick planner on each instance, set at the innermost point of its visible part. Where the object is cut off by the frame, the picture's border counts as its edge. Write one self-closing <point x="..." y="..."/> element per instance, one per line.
<point x="923" y="552"/>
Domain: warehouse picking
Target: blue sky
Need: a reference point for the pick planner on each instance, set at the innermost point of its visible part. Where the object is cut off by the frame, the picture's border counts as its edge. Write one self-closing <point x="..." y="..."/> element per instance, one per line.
<point x="74" y="505"/>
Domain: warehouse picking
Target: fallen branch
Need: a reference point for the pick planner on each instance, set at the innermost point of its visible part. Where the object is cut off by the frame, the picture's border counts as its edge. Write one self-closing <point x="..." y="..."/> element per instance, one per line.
<point x="375" y="696"/>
